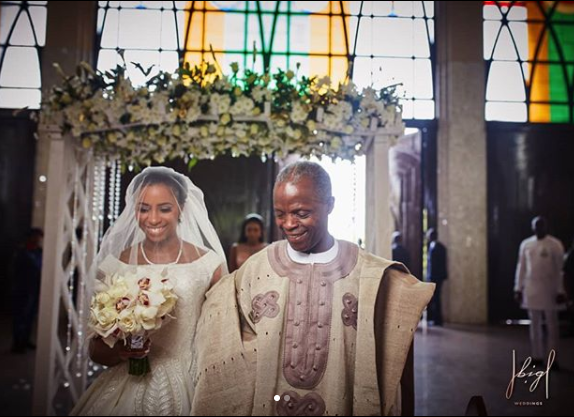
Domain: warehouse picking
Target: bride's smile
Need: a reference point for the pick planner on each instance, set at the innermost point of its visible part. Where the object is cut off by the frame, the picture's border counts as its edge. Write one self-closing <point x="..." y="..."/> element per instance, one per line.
<point x="155" y="230"/>
<point x="158" y="213"/>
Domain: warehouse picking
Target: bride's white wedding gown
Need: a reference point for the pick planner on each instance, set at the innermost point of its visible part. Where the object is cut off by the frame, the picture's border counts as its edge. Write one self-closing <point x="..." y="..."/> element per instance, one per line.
<point x="168" y="388"/>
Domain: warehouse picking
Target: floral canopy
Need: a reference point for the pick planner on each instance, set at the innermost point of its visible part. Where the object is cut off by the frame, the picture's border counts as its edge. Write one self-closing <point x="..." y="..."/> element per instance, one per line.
<point x="198" y="114"/>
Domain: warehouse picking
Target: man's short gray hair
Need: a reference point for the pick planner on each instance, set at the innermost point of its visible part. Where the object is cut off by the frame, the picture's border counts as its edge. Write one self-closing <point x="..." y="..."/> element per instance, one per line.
<point x="295" y="172"/>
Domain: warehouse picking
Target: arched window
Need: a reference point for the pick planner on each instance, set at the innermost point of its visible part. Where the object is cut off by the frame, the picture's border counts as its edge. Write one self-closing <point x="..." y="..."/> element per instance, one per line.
<point x="377" y="43"/>
<point x="22" y="35"/>
<point x="529" y="51"/>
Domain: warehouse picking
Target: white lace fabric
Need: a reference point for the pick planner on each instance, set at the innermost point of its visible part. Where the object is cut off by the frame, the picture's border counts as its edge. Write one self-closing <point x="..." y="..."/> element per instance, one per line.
<point x="168" y="388"/>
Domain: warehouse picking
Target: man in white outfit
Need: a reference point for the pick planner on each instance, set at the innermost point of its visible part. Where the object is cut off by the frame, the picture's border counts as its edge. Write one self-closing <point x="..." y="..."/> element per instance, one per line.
<point x="539" y="287"/>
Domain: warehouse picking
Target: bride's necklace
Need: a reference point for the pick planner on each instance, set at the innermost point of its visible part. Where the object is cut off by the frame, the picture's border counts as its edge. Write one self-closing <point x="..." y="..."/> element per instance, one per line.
<point x="172" y="263"/>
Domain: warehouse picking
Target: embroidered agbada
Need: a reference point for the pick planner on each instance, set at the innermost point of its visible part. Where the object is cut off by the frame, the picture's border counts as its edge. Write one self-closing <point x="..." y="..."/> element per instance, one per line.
<point x="306" y="333"/>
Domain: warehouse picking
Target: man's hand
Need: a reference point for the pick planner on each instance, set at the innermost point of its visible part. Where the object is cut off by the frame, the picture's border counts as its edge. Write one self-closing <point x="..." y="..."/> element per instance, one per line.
<point x="518" y="297"/>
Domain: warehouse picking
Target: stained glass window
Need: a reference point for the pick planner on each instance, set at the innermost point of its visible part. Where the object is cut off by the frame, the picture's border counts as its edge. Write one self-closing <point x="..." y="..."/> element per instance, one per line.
<point x="377" y="43"/>
<point x="529" y="50"/>
<point x="22" y="35"/>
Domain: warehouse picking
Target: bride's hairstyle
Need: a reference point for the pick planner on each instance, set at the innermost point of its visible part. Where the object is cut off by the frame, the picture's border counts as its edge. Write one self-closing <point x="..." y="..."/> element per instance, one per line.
<point x="171" y="179"/>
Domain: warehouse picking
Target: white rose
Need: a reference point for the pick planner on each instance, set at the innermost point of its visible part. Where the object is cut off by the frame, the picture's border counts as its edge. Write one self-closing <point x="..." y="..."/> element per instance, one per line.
<point x="128" y="323"/>
<point x="118" y="290"/>
<point x="106" y="316"/>
<point x="93" y="321"/>
<point x="103" y="299"/>
<point x="105" y="321"/>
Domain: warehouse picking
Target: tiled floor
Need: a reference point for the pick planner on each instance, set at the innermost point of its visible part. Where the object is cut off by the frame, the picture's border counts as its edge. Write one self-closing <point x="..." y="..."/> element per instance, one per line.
<point x="452" y="364"/>
<point x="16" y="375"/>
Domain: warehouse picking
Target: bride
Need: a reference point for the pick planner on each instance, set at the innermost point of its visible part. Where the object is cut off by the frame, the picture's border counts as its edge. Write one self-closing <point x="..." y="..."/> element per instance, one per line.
<point x="164" y="229"/>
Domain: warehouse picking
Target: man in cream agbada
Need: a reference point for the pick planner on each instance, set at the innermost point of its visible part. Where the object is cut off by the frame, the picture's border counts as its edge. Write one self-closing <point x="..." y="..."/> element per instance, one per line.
<point x="318" y="324"/>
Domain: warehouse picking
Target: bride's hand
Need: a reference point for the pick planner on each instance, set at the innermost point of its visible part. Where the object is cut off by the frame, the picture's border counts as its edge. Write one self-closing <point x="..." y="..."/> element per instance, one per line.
<point x="126" y="353"/>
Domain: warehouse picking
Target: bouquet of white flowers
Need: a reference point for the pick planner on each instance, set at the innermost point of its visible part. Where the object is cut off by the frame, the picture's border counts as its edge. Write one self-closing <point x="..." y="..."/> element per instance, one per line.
<point x="129" y="307"/>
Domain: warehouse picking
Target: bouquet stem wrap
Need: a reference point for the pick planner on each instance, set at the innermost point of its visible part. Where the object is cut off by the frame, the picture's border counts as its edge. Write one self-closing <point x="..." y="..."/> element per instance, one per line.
<point x="138" y="366"/>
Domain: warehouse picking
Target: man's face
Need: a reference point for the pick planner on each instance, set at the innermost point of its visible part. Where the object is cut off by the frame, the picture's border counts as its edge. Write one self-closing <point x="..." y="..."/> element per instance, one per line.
<point x="301" y="215"/>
